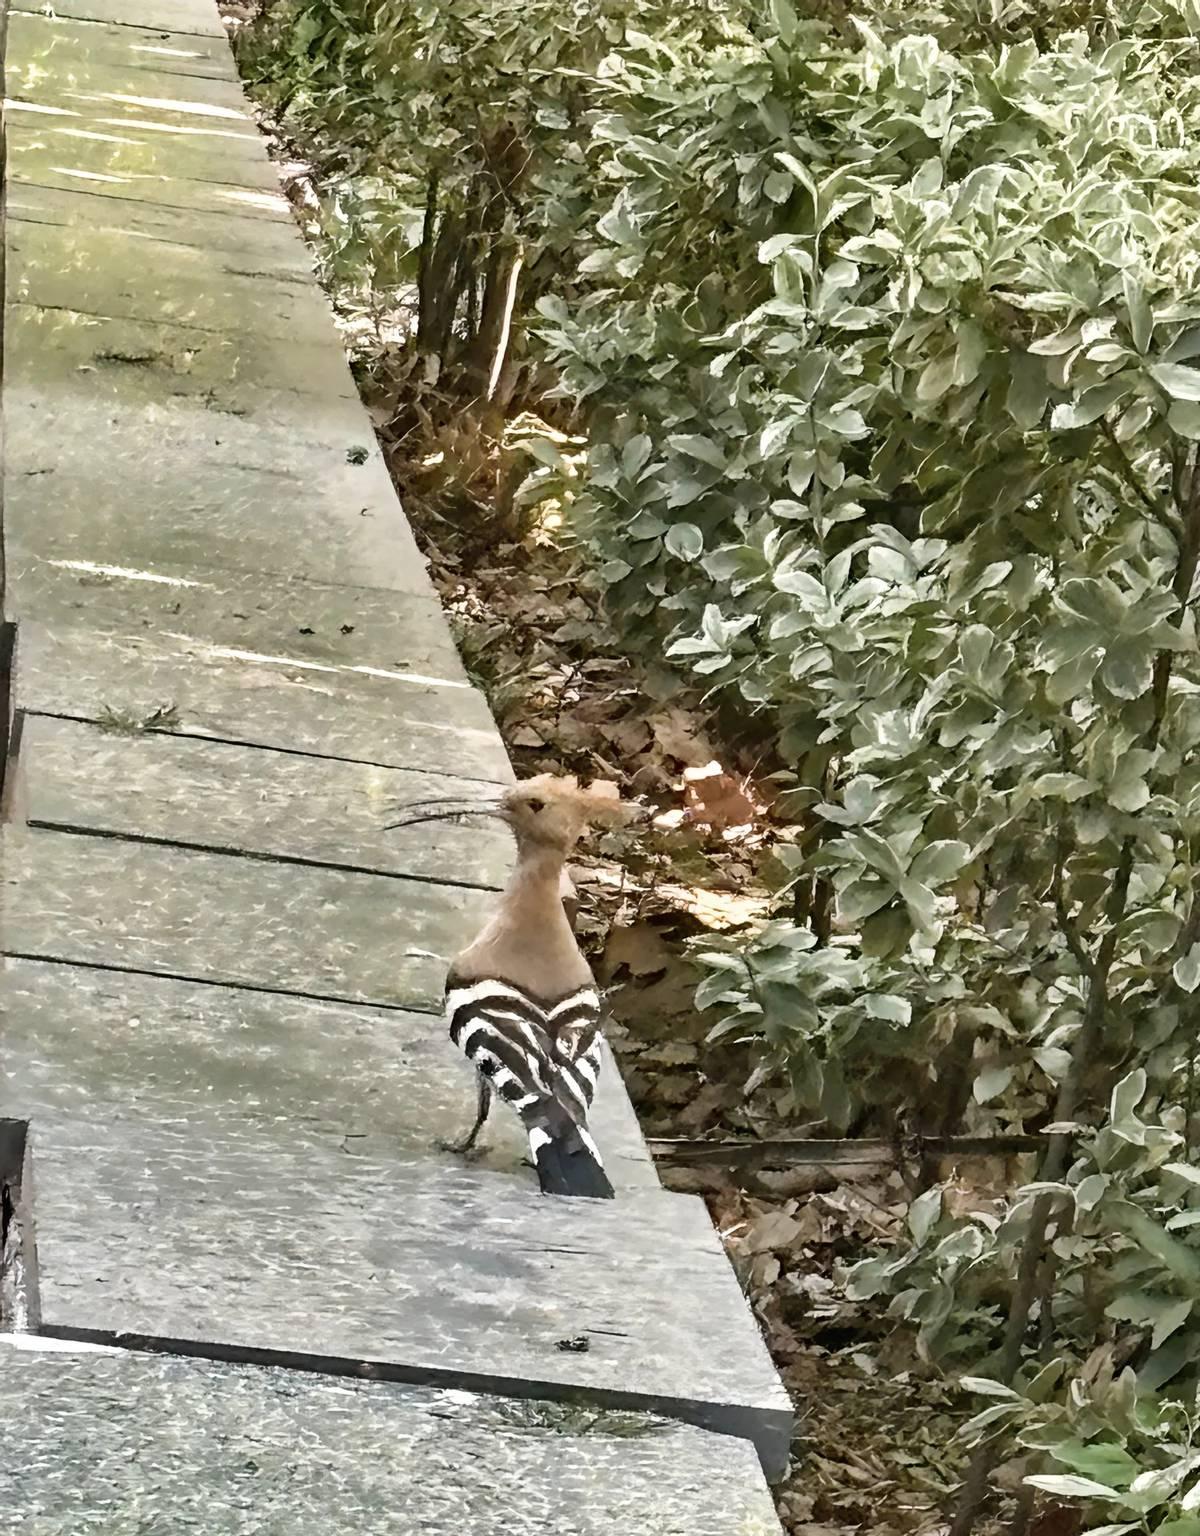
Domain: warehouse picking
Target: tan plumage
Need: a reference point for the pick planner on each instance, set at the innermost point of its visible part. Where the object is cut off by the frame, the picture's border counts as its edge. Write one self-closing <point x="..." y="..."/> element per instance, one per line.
<point x="520" y="999"/>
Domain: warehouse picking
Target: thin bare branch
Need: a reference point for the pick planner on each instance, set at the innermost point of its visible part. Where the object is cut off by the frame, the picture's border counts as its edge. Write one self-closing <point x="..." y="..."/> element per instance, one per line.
<point x="1066" y="922"/>
<point x="1124" y="467"/>
<point x="838" y="1153"/>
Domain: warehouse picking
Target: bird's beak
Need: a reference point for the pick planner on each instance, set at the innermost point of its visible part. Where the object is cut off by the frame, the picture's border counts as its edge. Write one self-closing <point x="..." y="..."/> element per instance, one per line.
<point x="414" y="812"/>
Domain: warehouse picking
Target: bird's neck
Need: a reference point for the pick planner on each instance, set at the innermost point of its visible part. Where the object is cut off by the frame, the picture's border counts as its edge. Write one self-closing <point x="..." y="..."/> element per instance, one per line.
<point x="533" y="895"/>
<point x="529" y="942"/>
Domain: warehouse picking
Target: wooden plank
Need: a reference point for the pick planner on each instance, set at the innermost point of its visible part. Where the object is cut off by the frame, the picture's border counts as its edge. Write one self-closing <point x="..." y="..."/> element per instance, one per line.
<point x="52" y="54"/>
<point x="345" y="627"/>
<point x="122" y="499"/>
<point x="53" y="66"/>
<point x="244" y="922"/>
<point x="440" y="1276"/>
<point x="275" y="246"/>
<point x="136" y="48"/>
<point x="98" y="156"/>
<point x="191" y="16"/>
<point x="246" y="204"/>
<point x="116" y="1049"/>
<point x="225" y="798"/>
<point x="184" y="1445"/>
<point x="188" y="687"/>
<point x="47" y="349"/>
<point x="104" y="272"/>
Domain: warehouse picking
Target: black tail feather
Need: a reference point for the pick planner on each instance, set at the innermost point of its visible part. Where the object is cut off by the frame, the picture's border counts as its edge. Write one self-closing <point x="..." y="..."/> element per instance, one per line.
<point x="566" y="1165"/>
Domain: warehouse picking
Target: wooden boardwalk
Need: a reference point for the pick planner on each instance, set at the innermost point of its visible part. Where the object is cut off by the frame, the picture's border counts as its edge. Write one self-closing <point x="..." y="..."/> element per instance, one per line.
<point x="222" y="979"/>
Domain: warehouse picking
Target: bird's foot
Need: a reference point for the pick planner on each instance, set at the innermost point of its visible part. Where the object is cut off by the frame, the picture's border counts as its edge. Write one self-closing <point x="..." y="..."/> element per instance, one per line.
<point x="465" y="1147"/>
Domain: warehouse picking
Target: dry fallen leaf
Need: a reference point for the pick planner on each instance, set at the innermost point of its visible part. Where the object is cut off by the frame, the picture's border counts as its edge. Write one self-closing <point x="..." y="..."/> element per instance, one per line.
<point x="714" y="798"/>
<point x="679" y="737"/>
<point x="638" y="949"/>
<point x="770" y="1232"/>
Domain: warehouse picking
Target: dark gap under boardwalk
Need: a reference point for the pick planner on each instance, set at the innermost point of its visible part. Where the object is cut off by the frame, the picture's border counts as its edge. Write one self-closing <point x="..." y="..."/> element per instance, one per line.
<point x="19" y="1309"/>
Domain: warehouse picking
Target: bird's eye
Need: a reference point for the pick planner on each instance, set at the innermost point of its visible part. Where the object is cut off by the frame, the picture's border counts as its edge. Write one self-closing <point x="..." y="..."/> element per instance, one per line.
<point x="537" y="805"/>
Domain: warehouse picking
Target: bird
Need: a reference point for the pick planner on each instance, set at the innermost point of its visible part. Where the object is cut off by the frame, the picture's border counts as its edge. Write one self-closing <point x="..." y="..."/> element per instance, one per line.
<point x="520" y="1000"/>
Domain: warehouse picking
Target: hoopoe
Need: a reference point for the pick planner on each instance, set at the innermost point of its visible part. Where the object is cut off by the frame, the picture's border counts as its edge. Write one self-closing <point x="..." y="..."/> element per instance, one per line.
<point x="521" y="1001"/>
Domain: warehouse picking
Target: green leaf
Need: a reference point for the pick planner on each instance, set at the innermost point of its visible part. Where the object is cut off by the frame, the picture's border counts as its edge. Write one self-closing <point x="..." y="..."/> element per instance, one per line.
<point x="1179" y="1260"/>
<point x="1054" y="1061"/>
<point x="1067" y="1487"/>
<point x="1103" y="1462"/>
<point x="786" y="22"/>
<point x="1127" y="671"/>
<point x="986" y="1387"/>
<point x="1090" y="1191"/>
<point x="768" y="250"/>
<point x="1164" y="1314"/>
<point x="1180" y="383"/>
<point x="939" y="862"/>
<point x="800" y="172"/>
<point x="698" y="447"/>
<point x="843" y="422"/>
<point x="1060" y="786"/>
<point x="1186" y="969"/>
<point x="1184" y="1525"/>
<point x="991" y="1083"/>
<point x="1126" y="1096"/>
<point x="635" y="455"/>
<point x="1090" y="406"/>
<point x="937" y="378"/>
<point x="684" y="541"/>
<point x="1141" y="316"/>
<point x="1028" y="391"/>
<point x="1184" y="418"/>
<point x="923" y="1214"/>
<point x="883" y="1005"/>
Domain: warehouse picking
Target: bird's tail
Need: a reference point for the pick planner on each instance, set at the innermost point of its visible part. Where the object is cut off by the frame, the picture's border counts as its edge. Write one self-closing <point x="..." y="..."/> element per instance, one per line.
<point x="565" y="1156"/>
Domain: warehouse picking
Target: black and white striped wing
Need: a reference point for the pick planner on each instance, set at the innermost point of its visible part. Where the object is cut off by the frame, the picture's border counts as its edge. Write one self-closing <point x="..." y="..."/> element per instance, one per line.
<point x="529" y="1053"/>
<point x="504" y="1036"/>
<point x="543" y="1059"/>
<point x="574" y="1026"/>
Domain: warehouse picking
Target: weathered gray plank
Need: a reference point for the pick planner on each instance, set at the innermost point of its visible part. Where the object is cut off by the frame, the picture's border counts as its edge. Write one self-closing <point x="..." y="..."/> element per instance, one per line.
<point x="465" y="1279"/>
<point x="328" y="933"/>
<point x="104" y="272"/>
<point x="121" y="499"/>
<point x="204" y="509"/>
<point x="99" y="156"/>
<point x="398" y="720"/>
<point x="53" y="65"/>
<point x="311" y="621"/>
<point x="123" y="1442"/>
<point x="191" y="16"/>
<point x="44" y="348"/>
<point x="48" y="50"/>
<point x="244" y="203"/>
<point x="277" y="247"/>
<point x="242" y="799"/>
<point x="117" y="1049"/>
<point x="154" y="382"/>
<point x="136" y="48"/>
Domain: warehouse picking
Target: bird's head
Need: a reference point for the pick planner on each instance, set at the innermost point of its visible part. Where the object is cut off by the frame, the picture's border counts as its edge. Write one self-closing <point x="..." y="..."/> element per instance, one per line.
<point x="548" y="811"/>
<point x="556" y="811"/>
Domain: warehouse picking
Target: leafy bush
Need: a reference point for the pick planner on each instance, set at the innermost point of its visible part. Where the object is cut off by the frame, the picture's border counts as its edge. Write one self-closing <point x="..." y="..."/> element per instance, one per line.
<point x="890" y="353"/>
<point x="883" y="322"/>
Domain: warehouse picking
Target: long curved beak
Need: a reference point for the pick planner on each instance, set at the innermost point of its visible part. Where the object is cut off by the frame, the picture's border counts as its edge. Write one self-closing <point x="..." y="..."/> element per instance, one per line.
<point x="413" y="812"/>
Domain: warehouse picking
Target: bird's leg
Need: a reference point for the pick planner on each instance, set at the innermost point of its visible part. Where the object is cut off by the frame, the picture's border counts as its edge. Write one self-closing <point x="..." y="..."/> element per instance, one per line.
<point x="466" y="1144"/>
